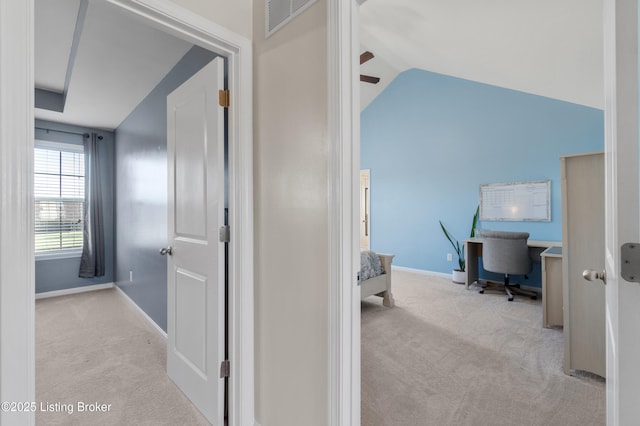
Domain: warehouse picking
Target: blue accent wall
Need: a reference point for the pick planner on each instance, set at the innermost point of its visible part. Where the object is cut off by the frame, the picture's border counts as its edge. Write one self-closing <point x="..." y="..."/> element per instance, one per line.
<point x="141" y="170"/>
<point x="61" y="274"/>
<point x="430" y="140"/>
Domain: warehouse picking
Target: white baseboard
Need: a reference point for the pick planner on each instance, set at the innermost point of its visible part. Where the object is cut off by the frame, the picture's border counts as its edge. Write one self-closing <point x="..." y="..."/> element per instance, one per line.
<point x="144" y="314"/>
<point x="422" y="272"/>
<point x="74" y="290"/>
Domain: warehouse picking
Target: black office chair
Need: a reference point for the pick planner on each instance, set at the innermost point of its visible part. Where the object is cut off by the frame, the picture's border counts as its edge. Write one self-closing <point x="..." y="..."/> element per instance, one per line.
<point x="506" y="253"/>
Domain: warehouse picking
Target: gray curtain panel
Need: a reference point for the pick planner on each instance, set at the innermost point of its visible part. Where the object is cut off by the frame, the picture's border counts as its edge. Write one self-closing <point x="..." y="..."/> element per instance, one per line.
<point x="92" y="261"/>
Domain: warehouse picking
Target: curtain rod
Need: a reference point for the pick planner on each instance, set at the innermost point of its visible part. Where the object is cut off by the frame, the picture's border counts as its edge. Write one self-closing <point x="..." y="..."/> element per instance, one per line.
<point x="63" y="131"/>
<point x="84" y="135"/>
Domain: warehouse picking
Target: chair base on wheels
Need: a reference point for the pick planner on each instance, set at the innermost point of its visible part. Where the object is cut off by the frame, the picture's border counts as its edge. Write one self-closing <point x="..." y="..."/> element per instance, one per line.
<point x="508" y="289"/>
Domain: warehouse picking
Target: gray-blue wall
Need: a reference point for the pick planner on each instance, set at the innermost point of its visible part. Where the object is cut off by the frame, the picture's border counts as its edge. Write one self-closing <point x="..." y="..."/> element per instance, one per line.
<point x="430" y="140"/>
<point x="141" y="202"/>
<point x="60" y="274"/>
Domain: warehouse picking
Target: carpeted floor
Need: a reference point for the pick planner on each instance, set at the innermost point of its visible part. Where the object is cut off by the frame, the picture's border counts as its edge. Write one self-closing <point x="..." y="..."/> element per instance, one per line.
<point x="447" y="356"/>
<point x="95" y="347"/>
<point x="442" y="356"/>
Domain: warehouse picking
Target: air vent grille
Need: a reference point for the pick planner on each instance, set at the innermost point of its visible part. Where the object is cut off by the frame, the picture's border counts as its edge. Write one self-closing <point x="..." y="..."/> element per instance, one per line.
<point x="296" y="5"/>
<point x="280" y="12"/>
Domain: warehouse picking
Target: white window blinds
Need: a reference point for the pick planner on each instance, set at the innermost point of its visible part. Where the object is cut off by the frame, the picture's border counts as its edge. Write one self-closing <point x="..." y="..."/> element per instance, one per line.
<point x="59" y="197"/>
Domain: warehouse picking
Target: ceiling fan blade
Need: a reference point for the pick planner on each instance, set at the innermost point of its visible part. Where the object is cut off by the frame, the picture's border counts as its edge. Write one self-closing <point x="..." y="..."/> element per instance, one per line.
<point x="369" y="79"/>
<point x="364" y="57"/>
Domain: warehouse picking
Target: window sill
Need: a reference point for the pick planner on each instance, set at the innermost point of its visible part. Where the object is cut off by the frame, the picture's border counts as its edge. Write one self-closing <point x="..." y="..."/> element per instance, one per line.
<point x="59" y="255"/>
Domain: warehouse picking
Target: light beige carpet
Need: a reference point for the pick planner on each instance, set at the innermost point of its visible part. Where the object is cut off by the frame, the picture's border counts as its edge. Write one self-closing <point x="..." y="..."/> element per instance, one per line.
<point x="448" y="356"/>
<point x="95" y="347"/>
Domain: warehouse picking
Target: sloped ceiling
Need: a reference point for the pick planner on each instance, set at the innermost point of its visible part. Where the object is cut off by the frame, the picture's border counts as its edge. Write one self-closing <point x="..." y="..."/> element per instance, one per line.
<point x="102" y="62"/>
<point x="552" y="48"/>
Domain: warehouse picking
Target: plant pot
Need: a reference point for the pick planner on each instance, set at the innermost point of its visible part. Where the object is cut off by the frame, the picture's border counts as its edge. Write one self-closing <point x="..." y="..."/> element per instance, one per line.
<point x="458" y="276"/>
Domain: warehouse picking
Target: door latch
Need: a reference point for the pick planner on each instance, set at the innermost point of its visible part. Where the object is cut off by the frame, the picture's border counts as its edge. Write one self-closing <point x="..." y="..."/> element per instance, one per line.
<point x="630" y="262"/>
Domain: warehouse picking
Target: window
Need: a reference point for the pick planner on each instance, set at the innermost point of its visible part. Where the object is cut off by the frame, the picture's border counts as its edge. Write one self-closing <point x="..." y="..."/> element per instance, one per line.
<point x="59" y="198"/>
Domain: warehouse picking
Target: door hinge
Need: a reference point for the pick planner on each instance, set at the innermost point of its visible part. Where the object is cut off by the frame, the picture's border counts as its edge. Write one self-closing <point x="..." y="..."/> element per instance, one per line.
<point x="224" y="98"/>
<point x="225" y="368"/>
<point x="630" y="262"/>
<point x="225" y="234"/>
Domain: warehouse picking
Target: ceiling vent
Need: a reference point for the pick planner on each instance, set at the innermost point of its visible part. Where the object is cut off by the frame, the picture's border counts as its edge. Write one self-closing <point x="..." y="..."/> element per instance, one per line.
<point x="280" y="12"/>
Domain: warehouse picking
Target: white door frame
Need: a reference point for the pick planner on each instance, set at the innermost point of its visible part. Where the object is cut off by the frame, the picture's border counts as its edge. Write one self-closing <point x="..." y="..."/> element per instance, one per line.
<point x="344" y="212"/>
<point x="17" y="288"/>
<point x="17" y="267"/>
<point x="344" y="164"/>
<point x="622" y="209"/>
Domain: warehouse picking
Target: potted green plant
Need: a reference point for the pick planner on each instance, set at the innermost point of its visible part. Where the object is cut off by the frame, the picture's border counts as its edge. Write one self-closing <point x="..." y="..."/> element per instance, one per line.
<point x="458" y="275"/>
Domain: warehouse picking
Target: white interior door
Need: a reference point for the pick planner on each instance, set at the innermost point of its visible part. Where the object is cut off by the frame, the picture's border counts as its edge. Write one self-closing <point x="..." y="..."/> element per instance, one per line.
<point x="621" y="209"/>
<point x="365" y="209"/>
<point x="195" y="152"/>
<point x="583" y="232"/>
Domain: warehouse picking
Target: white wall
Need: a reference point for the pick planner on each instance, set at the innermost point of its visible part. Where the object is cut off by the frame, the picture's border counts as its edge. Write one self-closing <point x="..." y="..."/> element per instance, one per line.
<point x="291" y="213"/>
<point x="232" y="14"/>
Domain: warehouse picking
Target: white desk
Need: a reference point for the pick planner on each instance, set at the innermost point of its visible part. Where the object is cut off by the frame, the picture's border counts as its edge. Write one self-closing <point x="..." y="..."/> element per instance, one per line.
<point x="547" y="252"/>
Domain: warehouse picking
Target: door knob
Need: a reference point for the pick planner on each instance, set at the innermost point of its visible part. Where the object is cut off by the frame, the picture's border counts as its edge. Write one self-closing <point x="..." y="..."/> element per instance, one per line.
<point x="168" y="250"/>
<point x="591" y="275"/>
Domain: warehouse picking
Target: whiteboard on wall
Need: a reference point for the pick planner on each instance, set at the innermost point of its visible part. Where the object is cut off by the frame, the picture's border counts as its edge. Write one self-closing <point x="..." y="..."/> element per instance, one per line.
<point x="516" y="201"/>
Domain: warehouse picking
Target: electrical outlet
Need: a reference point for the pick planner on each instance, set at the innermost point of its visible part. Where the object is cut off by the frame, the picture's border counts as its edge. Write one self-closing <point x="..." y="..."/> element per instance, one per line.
<point x="449" y="257"/>
<point x="130" y="275"/>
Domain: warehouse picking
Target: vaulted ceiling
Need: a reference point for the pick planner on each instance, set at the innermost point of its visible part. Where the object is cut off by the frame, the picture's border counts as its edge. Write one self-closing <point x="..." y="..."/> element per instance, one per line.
<point x="552" y="48"/>
<point x="99" y="64"/>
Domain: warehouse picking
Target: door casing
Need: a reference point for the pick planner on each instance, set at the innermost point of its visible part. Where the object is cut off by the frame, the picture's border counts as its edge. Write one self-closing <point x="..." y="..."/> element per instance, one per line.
<point x="17" y="288"/>
<point x="344" y="212"/>
<point x="344" y="165"/>
<point x="621" y="208"/>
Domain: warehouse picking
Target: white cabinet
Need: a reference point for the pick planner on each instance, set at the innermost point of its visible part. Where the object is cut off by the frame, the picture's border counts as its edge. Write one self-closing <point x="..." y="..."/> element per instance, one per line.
<point x="583" y="248"/>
